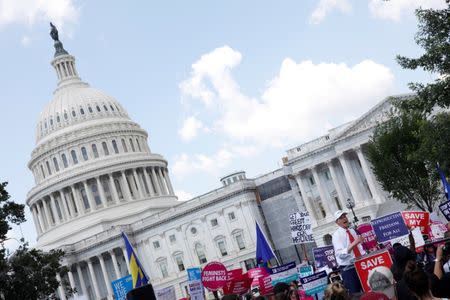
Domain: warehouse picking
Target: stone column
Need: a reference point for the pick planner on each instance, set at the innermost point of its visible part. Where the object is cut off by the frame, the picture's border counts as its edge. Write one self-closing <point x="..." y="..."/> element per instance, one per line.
<point x="41" y="217"/>
<point x="323" y="194"/>
<point x="82" y="283"/>
<point x="149" y="182"/>
<point x="309" y="207"/>
<point x="334" y="177"/>
<point x="369" y="176"/>
<point x="54" y="209"/>
<point x="138" y="184"/>
<point x="64" y="205"/>
<point x="35" y="219"/>
<point x="126" y="188"/>
<point x="76" y="199"/>
<point x="101" y="191"/>
<point x="169" y="184"/>
<point x="162" y="180"/>
<point x="115" y="264"/>
<point x="62" y="293"/>
<point x="156" y="182"/>
<point x="71" y="280"/>
<point x="114" y="195"/>
<point x="89" y="196"/>
<point x="94" y="280"/>
<point x="71" y="207"/>
<point x="48" y="217"/>
<point x="125" y="255"/>
<point x="105" y="276"/>
<point x="349" y="176"/>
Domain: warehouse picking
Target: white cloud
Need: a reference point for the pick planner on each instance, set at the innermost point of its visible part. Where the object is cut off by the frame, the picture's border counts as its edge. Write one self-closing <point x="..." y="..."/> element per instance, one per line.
<point x="325" y="7"/>
<point x="395" y="9"/>
<point x="183" y="195"/>
<point x="25" y="41"/>
<point x="29" y="12"/>
<point x="185" y="164"/>
<point x="190" y="128"/>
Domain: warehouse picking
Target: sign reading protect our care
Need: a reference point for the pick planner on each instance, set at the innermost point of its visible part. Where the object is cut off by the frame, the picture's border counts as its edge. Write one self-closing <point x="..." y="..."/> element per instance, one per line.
<point x="389" y="227"/>
<point x="369" y="262"/>
<point x="415" y="219"/>
<point x="214" y="276"/>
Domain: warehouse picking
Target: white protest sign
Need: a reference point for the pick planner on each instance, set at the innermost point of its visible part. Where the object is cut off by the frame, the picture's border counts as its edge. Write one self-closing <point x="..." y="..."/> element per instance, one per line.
<point x="301" y="230"/>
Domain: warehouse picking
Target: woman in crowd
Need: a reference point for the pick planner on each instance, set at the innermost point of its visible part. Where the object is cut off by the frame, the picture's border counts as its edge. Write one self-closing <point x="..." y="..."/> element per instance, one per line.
<point x="418" y="283"/>
<point x="336" y="291"/>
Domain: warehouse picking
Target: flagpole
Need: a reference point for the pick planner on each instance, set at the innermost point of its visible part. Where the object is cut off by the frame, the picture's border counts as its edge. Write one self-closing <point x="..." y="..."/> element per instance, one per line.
<point x="269" y="241"/>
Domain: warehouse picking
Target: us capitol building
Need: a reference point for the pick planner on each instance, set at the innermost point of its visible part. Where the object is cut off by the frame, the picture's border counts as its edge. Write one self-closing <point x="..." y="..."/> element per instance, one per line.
<point x="96" y="176"/>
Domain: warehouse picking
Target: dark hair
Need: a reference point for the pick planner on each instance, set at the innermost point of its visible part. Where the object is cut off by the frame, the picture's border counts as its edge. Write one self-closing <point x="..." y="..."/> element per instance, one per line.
<point x="417" y="280"/>
<point x="230" y="297"/>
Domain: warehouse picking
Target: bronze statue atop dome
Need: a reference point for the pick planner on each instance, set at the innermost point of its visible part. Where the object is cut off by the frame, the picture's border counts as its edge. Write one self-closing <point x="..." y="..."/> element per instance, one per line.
<point x="58" y="45"/>
<point x="54" y="32"/>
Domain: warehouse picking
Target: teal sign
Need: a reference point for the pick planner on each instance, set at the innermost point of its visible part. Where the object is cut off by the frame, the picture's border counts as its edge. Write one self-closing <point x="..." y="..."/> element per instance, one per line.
<point x="121" y="287"/>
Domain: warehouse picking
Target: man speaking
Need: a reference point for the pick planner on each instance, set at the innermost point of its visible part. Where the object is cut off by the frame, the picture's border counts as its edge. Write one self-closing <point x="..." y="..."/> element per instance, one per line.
<point x="347" y="247"/>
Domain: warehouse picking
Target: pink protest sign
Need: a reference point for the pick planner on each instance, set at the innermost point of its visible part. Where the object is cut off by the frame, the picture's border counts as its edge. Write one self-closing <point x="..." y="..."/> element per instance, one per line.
<point x="265" y="285"/>
<point x="256" y="273"/>
<point x="214" y="276"/>
<point x="369" y="236"/>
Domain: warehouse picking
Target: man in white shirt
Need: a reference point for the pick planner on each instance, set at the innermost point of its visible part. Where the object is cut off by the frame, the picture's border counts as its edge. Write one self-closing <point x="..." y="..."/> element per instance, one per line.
<point x="347" y="246"/>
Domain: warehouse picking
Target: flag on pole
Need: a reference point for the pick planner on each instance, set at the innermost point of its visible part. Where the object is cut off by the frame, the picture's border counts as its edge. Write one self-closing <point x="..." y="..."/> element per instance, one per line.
<point x="263" y="250"/>
<point x="444" y="182"/>
<point x="138" y="274"/>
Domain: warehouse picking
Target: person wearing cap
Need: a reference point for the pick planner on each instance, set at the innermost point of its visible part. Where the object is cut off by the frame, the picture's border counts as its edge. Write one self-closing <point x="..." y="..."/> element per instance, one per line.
<point x="347" y="246"/>
<point x="381" y="280"/>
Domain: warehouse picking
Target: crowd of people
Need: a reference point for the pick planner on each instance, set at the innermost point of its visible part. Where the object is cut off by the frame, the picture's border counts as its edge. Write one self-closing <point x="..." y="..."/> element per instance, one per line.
<point x="416" y="276"/>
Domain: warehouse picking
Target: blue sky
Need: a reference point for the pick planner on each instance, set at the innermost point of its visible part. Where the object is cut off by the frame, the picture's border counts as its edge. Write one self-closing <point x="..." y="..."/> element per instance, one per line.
<point x="219" y="86"/>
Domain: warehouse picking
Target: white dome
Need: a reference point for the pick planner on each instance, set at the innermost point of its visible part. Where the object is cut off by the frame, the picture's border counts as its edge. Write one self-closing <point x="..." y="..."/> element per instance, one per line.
<point x="76" y="103"/>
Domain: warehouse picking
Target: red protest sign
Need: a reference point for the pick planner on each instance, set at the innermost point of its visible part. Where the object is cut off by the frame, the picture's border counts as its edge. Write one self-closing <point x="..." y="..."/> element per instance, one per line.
<point x="235" y="273"/>
<point x="256" y="273"/>
<point x="238" y="286"/>
<point x="368" y="262"/>
<point x="415" y="219"/>
<point x="265" y="285"/>
<point x="214" y="276"/>
<point x="369" y="236"/>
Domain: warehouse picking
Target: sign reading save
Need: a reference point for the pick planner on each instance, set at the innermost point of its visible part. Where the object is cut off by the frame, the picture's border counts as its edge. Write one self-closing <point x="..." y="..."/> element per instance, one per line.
<point x="415" y="219"/>
<point x="369" y="262"/>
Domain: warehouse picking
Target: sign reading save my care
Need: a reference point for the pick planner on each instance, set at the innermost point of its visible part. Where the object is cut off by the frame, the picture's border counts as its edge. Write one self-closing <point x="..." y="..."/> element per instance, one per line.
<point x="214" y="276"/>
<point x="415" y="219"/>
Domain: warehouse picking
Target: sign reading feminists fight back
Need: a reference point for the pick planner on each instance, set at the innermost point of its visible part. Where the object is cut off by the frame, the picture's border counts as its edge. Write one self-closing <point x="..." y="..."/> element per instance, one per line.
<point x="301" y="230"/>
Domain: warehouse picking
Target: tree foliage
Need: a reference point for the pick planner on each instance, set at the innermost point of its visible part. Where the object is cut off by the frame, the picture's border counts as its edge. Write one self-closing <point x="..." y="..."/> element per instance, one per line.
<point x="27" y="273"/>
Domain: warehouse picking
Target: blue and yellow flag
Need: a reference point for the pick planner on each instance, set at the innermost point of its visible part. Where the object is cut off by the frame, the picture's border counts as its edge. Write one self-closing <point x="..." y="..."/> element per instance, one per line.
<point x="138" y="274"/>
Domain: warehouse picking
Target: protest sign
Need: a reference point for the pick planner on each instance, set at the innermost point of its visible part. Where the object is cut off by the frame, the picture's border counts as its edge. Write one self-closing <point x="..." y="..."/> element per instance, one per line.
<point x="369" y="236"/>
<point x="324" y="256"/>
<point x="445" y="209"/>
<point x="239" y="285"/>
<point x="255" y="274"/>
<point x="368" y="262"/>
<point x="305" y="271"/>
<point x="233" y="274"/>
<point x="214" y="276"/>
<point x="301" y="230"/>
<point x="389" y="227"/>
<point x="315" y="283"/>
<point x="437" y="230"/>
<point x="195" y="285"/>
<point x="415" y="219"/>
<point x="122" y="286"/>
<point x="265" y="285"/>
<point x="167" y="293"/>
<point x="419" y="242"/>
<point x="284" y="273"/>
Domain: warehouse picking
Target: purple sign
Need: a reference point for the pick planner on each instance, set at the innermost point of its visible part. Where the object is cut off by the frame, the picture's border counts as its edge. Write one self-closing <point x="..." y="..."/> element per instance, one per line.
<point x="324" y="256"/>
<point x="389" y="227"/>
<point x="445" y="209"/>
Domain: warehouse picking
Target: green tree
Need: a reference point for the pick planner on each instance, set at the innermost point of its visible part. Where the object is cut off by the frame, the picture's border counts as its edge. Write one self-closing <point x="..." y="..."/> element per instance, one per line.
<point x="434" y="37"/>
<point x="26" y="273"/>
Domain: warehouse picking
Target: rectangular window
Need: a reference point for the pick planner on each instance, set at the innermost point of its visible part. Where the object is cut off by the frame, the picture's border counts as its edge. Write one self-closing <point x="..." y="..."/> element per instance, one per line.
<point x="240" y="242"/>
<point x="163" y="268"/>
<point x="231" y="216"/>
<point x="250" y="263"/>
<point x="311" y="180"/>
<point x="172" y="238"/>
<point x="222" y="248"/>
<point x="156" y="244"/>
<point x="214" y="222"/>
<point x="327" y="175"/>
<point x="180" y="263"/>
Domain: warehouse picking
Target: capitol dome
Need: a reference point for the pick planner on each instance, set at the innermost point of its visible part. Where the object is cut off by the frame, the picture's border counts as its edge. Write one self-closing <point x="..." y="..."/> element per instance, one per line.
<point x="92" y="164"/>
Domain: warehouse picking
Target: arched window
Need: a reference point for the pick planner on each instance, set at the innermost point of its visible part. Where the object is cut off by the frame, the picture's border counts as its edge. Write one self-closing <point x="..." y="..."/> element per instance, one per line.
<point x="51" y="121"/>
<point x="74" y="157"/>
<point x="90" y="109"/>
<point x="64" y="160"/>
<point x="55" y="164"/>
<point x="84" y="153"/>
<point x="105" y="108"/>
<point x="162" y="262"/>
<point x="48" y="168"/>
<point x="65" y="116"/>
<point x="114" y="144"/>
<point x="42" y="171"/>
<point x="200" y="253"/>
<point x="94" y="150"/>
<point x="132" y="145"/>
<point x="73" y="113"/>
<point x="58" y="119"/>
<point x="139" y="145"/>
<point x="112" y="108"/>
<point x="82" y="111"/>
<point x="105" y="148"/>
<point x="124" y="146"/>
<point x="98" y="108"/>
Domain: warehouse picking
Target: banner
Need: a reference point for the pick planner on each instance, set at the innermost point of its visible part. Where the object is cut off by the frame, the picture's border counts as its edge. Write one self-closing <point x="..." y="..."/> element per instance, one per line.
<point x="368" y="262"/>
<point x="239" y="285"/>
<point x="324" y="256"/>
<point x="122" y="286"/>
<point x="265" y="285"/>
<point x="305" y="271"/>
<point x="284" y="273"/>
<point x="214" y="276"/>
<point x="301" y="230"/>
<point x="195" y="285"/>
<point x="389" y="227"/>
<point x="445" y="209"/>
<point x="315" y="283"/>
<point x="437" y="230"/>
<point x="369" y="236"/>
<point x="415" y="219"/>
<point x="256" y="273"/>
<point x="167" y="293"/>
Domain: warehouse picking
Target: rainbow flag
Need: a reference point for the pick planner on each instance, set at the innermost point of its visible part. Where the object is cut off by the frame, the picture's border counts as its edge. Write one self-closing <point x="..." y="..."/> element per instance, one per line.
<point x="138" y="274"/>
